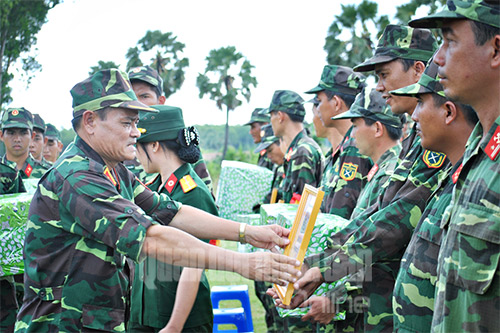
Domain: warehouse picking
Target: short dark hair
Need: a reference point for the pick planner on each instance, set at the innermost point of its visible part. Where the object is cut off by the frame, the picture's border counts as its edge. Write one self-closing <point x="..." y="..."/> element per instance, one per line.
<point x="394" y="133"/>
<point x="467" y="110"/>
<point x="190" y="154"/>
<point x="348" y="99"/>
<point x="156" y="89"/>
<point x="408" y="63"/>
<point x="102" y="114"/>
<point x="35" y="129"/>
<point x="483" y="32"/>
<point x="295" y="117"/>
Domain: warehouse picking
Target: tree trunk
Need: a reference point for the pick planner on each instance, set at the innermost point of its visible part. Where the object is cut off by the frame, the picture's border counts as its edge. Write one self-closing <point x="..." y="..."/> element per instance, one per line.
<point x="226" y="136"/>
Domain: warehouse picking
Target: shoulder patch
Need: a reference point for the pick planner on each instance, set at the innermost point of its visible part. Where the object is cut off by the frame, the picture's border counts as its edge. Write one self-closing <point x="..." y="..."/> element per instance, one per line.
<point x="373" y="172"/>
<point x="493" y="147"/>
<point x="187" y="183"/>
<point x="432" y="159"/>
<point x="348" y="171"/>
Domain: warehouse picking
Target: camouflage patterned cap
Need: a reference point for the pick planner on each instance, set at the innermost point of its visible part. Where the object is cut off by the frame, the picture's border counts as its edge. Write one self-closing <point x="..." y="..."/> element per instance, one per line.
<point x="17" y="118"/>
<point x="267" y="138"/>
<point x="38" y="123"/>
<point x="428" y="83"/>
<point x="339" y="79"/>
<point x="52" y="132"/>
<point x="287" y="101"/>
<point x="164" y="125"/>
<point x="148" y="75"/>
<point x="370" y="104"/>
<point x="487" y="12"/>
<point x="106" y="88"/>
<point x="258" y="117"/>
<point x="401" y="42"/>
<point x="313" y="100"/>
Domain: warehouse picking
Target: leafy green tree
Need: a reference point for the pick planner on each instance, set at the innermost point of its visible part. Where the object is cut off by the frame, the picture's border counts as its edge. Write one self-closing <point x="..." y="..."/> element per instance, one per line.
<point x="353" y="34"/>
<point x="167" y="60"/>
<point x="227" y="79"/>
<point x="20" y="21"/>
<point x="103" y="65"/>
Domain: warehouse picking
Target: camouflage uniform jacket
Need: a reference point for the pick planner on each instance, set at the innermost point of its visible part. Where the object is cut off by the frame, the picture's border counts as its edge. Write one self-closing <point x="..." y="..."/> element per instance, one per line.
<point x="84" y="220"/>
<point x="384" y="231"/>
<point x="30" y="169"/>
<point x="344" y="185"/>
<point x="303" y="164"/>
<point x="264" y="161"/>
<point x="468" y="287"/>
<point x="377" y="177"/>
<point x="10" y="180"/>
<point x="413" y="298"/>
<point x="277" y="183"/>
<point x="156" y="283"/>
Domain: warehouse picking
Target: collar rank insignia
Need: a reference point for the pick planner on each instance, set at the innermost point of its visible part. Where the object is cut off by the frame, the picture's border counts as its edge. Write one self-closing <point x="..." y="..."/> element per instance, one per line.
<point x="262" y="152"/>
<point x="432" y="159"/>
<point x="493" y="147"/>
<point x="455" y="176"/>
<point x="187" y="183"/>
<point x="372" y="172"/>
<point x="348" y="171"/>
<point x="28" y="170"/>
<point x="170" y="184"/>
<point x="109" y="174"/>
<point x="289" y="154"/>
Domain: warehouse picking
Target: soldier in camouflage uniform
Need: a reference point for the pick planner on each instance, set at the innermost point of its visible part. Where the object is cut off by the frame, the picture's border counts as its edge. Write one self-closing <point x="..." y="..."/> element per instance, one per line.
<point x="17" y="133"/>
<point x="376" y="132"/>
<point x="38" y="143"/>
<point x="270" y="144"/>
<point x="148" y="87"/>
<point x="377" y="246"/>
<point x="330" y="133"/>
<point x="345" y="170"/>
<point x="468" y="287"/>
<point x="303" y="162"/>
<point x="257" y="120"/>
<point x="89" y="213"/>
<point x="443" y="126"/>
<point x="54" y="145"/>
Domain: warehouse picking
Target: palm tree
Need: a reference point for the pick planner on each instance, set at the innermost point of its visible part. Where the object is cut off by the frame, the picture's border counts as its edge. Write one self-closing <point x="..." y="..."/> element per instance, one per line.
<point x="232" y="74"/>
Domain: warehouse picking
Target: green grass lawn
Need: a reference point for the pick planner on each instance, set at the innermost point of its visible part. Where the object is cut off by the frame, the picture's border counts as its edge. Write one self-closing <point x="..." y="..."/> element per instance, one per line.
<point x="220" y="278"/>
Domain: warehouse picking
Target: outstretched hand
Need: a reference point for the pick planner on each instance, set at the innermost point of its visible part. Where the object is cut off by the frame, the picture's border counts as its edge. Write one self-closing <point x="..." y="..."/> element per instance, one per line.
<point x="267" y="237"/>
<point x="270" y="267"/>
<point x="322" y="310"/>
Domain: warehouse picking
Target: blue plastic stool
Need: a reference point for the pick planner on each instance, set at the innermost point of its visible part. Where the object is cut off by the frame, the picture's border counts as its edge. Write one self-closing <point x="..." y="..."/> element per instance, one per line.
<point x="241" y="317"/>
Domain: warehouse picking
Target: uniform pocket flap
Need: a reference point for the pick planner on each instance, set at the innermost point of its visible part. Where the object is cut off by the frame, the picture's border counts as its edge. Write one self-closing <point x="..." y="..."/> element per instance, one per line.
<point x="103" y="319"/>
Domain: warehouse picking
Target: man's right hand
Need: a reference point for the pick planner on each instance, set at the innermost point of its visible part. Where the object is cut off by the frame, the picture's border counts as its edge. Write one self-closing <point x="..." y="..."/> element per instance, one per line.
<point x="269" y="267"/>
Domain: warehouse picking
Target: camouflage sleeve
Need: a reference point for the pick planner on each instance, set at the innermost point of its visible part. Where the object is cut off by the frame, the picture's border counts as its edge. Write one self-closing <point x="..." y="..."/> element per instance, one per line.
<point x="10" y="181"/>
<point x="302" y="169"/>
<point x="383" y="235"/>
<point x="100" y="212"/>
<point x="347" y="184"/>
<point x="200" y="167"/>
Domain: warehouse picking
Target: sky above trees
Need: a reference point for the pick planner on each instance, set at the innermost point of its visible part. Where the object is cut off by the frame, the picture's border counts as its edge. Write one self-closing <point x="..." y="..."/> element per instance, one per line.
<point x="283" y="39"/>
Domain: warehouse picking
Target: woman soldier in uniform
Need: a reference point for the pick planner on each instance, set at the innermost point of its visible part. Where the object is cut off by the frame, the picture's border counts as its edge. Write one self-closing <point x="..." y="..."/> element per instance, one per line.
<point x="165" y="296"/>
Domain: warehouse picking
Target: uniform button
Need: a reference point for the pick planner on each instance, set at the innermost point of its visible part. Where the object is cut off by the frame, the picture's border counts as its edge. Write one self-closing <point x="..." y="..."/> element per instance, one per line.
<point x="42" y="293"/>
<point x="169" y="206"/>
<point x="129" y="211"/>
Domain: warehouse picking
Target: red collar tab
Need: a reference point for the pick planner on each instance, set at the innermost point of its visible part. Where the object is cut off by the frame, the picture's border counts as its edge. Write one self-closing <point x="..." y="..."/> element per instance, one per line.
<point x="455" y="176"/>
<point x="493" y="147"/>
<point x="295" y="198"/>
<point x="170" y="184"/>
<point x="262" y="152"/>
<point x="28" y="170"/>
<point x="373" y="172"/>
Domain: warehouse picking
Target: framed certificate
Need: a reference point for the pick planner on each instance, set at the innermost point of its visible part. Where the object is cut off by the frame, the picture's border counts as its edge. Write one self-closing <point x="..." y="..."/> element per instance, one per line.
<point x="300" y="235"/>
